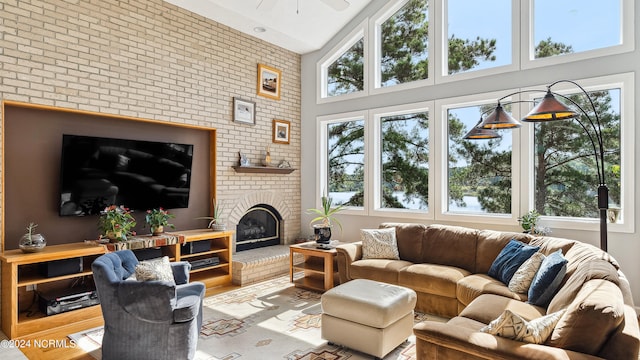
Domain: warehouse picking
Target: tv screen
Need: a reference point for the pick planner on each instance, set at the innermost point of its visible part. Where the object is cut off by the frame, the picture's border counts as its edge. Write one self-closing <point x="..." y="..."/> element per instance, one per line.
<point x="97" y="172"/>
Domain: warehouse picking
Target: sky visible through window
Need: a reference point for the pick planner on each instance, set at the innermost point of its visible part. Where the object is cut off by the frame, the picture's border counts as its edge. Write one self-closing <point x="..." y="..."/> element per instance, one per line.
<point x="583" y="24"/>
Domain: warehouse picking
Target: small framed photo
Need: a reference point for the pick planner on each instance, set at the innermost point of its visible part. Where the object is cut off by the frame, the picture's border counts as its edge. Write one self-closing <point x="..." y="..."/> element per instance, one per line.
<point x="269" y="82"/>
<point x="244" y="111"/>
<point x="281" y="131"/>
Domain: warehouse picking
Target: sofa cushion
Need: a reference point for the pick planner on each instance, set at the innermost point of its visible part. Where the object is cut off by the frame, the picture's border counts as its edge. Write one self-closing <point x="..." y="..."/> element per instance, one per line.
<point x="450" y="245"/>
<point x="490" y="243"/>
<point x="521" y="280"/>
<point x="514" y="254"/>
<point x="409" y="239"/>
<point x="595" y="269"/>
<point x="472" y="286"/>
<point x="512" y="326"/>
<point x="432" y="278"/>
<point x="379" y="244"/>
<point x="547" y="280"/>
<point x="378" y="269"/>
<point x="596" y="312"/>
<point x="488" y="307"/>
<point x="550" y="244"/>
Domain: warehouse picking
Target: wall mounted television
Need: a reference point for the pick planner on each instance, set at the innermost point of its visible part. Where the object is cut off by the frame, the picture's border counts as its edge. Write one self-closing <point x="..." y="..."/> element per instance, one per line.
<point x="96" y="172"/>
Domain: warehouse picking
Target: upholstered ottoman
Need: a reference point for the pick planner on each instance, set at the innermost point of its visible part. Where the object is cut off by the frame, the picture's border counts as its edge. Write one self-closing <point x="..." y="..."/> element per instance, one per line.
<point x="368" y="316"/>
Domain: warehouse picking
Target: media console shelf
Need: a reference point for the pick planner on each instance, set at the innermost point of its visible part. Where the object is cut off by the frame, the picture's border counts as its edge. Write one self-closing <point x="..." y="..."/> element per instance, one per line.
<point x="21" y="277"/>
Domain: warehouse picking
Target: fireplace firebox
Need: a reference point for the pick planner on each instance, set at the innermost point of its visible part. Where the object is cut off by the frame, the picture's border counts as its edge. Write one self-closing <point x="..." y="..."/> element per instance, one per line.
<point x="258" y="227"/>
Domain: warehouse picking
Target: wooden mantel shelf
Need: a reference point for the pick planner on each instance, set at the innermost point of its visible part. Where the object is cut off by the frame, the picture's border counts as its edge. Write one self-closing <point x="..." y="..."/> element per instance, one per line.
<point x="262" y="169"/>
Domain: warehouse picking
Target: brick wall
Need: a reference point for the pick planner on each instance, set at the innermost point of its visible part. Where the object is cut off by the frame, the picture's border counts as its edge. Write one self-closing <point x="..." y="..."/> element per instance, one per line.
<point x="150" y="59"/>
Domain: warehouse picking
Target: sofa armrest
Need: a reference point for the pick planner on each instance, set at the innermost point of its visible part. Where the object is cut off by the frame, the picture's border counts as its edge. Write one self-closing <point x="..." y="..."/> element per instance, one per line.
<point x="459" y="341"/>
<point x="345" y="255"/>
<point x="180" y="272"/>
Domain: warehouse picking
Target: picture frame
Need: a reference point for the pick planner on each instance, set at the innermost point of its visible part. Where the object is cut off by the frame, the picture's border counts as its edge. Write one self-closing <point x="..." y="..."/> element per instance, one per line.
<point x="269" y="80"/>
<point x="281" y="131"/>
<point x="244" y="111"/>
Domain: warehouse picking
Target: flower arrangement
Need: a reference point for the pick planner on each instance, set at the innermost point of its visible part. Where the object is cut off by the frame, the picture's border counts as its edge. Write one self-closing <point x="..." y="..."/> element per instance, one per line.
<point x="157" y="219"/>
<point x="116" y="223"/>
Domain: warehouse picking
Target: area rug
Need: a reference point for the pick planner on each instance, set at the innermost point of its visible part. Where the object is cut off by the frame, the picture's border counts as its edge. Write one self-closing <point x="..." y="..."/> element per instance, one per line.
<point x="268" y="320"/>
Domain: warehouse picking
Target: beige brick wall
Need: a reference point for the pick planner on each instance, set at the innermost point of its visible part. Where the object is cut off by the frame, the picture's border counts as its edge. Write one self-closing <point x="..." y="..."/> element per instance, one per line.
<point x="150" y="59"/>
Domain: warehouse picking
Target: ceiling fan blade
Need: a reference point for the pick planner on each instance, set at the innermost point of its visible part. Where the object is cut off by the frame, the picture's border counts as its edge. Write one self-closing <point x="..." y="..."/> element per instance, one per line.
<point x="337" y="5"/>
<point x="266" y="5"/>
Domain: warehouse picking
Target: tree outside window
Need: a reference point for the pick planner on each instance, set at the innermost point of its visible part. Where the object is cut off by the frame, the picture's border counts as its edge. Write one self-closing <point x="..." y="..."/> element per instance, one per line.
<point x="345" y="154"/>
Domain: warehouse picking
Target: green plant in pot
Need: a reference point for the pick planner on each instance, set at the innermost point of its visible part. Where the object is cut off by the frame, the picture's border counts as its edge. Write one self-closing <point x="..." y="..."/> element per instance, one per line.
<point x="325" y="219"/>
<point x="215" y="221"/>
<point x="157" y="219"/>
<point x="30" y="241"/>
<point x="116" y="223"/>
<point x="529" y="223"/>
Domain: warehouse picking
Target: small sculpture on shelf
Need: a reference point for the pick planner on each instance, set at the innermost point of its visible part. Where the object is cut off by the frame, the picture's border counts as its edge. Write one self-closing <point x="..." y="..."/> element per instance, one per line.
<point x="244" y="161"/>
<point x="266" y="161"/>
<point x="32" y="242"/>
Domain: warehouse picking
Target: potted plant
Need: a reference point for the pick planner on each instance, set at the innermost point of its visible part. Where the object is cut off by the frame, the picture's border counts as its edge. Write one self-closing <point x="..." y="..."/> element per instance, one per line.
<point x="30" y="241"/>
<point x="157" y="219"/>
<point x="529" y="223"/>
<point x="325" y="219"/>
<point x="116" y="223"/>
<point x="215" y="221"/>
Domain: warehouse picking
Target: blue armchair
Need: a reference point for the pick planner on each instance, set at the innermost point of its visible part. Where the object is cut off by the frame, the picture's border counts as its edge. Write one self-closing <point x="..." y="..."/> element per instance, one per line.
<point x="147" y="319"/>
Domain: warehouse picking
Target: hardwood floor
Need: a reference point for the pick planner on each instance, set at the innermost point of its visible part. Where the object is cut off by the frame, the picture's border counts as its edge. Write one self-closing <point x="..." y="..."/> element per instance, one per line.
<point x="55" y="345"/>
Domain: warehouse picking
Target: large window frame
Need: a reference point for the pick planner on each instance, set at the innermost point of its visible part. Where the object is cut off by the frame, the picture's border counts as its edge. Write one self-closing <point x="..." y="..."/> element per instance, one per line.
<point x="626" y="83"/>
<point x="522" y="48"/>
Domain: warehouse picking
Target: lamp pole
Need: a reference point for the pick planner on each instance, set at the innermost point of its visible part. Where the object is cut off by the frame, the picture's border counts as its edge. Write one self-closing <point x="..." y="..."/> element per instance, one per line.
<point x="550" y="109"/>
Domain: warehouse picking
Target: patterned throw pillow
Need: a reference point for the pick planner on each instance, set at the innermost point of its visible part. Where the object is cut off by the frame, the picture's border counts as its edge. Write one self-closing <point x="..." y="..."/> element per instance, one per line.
<point x="512" y="326"/>
<point x="159" y="269"/>
<point x="523" y="277"/>
<point x="379" y="244"/>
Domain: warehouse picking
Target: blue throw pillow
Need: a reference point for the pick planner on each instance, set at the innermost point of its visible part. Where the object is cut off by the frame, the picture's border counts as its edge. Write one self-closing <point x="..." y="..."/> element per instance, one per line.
<point x="509" y="260"/>
<point x="547" y="280"/>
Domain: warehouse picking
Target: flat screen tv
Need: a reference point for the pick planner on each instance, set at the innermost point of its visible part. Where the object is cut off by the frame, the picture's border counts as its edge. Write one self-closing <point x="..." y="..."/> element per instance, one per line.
<point x="97" y="172"/>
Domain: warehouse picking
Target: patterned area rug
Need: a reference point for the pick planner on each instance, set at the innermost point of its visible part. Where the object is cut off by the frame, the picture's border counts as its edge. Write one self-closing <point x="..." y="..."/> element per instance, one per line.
<point x="268" y="320"/>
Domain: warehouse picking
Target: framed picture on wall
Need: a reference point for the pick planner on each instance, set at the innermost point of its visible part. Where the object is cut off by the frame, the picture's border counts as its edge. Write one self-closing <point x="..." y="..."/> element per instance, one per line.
<point x="269" y="82"/>
<point x="281" y="131"/>
<point x="244" y="111"/>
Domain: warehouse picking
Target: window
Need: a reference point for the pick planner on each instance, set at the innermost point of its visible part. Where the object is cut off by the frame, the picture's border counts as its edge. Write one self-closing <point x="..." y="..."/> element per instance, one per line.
<point x="342" y="72"/>
<point x="479" y="171"/>
<point x="345" y="161"/>
<point x="561" y="27"/>
<point x="564" y="167"/>
<point x="478" y="37"/>
<point x="404" y="160"/>
<point x="402" y="46"/>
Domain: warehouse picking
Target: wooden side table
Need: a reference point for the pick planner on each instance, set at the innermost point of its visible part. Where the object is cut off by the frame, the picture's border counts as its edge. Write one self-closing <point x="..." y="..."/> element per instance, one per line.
<point x="318" y="266"/>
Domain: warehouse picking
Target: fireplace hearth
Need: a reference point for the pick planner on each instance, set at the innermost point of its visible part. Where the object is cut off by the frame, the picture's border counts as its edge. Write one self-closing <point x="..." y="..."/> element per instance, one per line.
<point x="258" y="227"/>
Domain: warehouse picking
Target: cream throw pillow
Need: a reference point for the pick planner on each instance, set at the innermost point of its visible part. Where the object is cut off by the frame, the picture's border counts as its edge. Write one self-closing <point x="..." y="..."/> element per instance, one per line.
<point x="512" y="326"/>
<point x="523" y="277"/>
<point x="159" y="269"/>
<point x="379" y="244"/>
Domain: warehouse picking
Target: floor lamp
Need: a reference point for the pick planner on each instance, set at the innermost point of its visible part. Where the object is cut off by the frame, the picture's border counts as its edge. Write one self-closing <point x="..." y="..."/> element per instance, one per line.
<point x="550" y="109"/>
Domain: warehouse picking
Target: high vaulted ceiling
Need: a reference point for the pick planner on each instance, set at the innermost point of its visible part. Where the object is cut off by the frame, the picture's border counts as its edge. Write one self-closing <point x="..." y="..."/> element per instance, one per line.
<point x="301" y="26"/>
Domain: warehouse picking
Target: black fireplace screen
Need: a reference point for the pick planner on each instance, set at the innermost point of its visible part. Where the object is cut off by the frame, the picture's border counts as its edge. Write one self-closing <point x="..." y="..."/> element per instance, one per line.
<point x="258" y="227"/>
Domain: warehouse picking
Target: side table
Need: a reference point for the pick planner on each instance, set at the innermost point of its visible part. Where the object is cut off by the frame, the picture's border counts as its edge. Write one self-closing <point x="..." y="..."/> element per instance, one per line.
<point x="319" y="266"/>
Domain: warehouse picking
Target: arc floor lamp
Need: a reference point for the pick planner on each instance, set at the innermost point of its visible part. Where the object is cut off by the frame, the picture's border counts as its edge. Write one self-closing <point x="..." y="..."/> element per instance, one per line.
<point x="550" y="109"/>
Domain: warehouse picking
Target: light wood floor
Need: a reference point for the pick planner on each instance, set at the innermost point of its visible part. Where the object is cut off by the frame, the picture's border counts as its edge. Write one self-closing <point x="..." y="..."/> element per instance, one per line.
<point x="57" y="337"/>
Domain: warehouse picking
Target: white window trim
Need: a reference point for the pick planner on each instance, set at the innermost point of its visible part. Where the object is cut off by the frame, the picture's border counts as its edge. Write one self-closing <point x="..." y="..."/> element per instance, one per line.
<point x="626" y="224"/>
<point x="322" y="157"/>
<point x="442" y="164"/>
<point x="376" y="166"/>
<point x="528" y="46"/>
<point x="375" y="86"/>
<point x="360" y="32"/>
<point x="443" y="76"/>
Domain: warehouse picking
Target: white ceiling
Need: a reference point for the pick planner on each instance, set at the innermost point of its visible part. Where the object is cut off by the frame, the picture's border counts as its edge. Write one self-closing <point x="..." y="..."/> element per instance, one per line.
<point x="297" y="25"/>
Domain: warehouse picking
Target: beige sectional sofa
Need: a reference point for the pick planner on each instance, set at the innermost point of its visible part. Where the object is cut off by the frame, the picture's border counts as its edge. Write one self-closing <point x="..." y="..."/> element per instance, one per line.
<point x="447" y="266"/>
